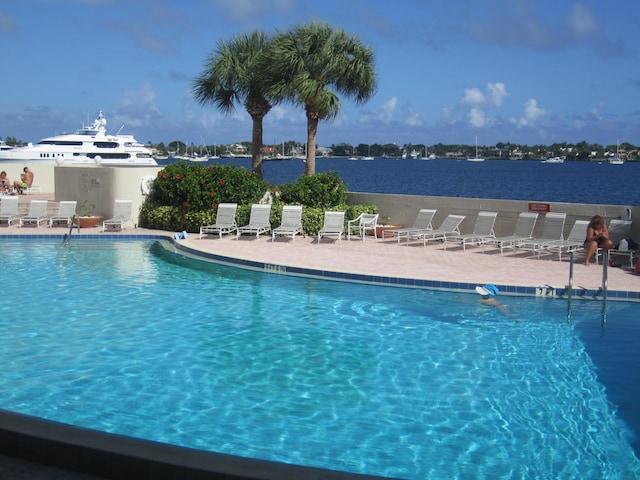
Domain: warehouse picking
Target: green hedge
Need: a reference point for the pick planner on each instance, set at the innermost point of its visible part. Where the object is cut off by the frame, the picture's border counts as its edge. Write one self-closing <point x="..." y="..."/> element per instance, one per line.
<point x="185" y="196"/>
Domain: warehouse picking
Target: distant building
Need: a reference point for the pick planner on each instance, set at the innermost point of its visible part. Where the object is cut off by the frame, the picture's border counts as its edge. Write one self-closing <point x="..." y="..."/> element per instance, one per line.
<point x="324" y="151"/>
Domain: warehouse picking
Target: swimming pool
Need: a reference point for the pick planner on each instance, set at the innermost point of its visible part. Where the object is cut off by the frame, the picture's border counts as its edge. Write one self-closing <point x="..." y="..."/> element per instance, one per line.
<point x="127" y="338"/>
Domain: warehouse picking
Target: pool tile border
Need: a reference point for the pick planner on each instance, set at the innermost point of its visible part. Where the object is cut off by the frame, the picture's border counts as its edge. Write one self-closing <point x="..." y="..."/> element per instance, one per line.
<point x="543" y="291"/>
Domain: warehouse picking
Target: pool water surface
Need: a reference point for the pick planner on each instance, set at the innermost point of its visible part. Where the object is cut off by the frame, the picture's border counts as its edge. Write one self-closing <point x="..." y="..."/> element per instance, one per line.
<point x="128" y="338"/>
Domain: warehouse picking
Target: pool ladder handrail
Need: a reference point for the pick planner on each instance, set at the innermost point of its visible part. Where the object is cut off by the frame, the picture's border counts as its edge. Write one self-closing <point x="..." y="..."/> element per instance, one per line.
<point x="605" y="285"/>
<point x="67" y="236"/>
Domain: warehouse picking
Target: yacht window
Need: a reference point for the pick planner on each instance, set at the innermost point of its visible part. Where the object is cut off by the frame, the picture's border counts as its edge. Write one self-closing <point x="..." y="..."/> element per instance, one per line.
<point x="106" y="144"/>
<point x="70" y="143"/>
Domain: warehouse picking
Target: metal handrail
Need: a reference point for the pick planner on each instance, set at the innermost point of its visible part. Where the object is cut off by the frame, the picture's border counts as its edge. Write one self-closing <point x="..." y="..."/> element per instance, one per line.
<point x="605" y="285"/>
<point x="67" y="236"/>
<point x="570" y="286"/>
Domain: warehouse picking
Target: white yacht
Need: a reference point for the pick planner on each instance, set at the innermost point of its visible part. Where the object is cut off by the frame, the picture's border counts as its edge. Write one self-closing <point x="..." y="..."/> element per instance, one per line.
<point x="555" y="159"/>
<point x="88" y="145"/>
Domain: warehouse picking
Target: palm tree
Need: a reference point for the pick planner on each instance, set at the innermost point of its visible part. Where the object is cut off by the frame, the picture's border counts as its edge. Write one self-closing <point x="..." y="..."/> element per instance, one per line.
<point x="316" y="62"/>
<point x="233" y="75"/>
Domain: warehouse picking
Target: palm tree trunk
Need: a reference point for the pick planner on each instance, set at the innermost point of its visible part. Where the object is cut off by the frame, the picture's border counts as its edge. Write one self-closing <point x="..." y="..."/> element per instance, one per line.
<point x="312" y="131"/>
<point x="256" y="146"/>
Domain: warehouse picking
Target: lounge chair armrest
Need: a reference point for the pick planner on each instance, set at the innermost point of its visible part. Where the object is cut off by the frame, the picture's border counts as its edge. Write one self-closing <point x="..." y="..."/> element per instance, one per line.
<point x="355" y="220"/>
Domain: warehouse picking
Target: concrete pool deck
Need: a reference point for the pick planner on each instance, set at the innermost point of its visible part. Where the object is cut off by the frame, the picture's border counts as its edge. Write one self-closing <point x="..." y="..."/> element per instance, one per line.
<point x="429" y="266"/>
<point x="454" y="268"/>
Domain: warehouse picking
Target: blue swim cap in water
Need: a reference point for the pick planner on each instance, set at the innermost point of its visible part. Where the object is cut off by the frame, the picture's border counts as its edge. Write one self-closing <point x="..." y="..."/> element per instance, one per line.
<point x="488" y="290"/>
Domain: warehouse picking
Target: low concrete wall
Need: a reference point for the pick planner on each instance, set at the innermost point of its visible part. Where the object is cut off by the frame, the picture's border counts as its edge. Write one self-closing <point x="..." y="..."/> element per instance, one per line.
<point x="102" y="185"/>
<point x="402" y="209"/>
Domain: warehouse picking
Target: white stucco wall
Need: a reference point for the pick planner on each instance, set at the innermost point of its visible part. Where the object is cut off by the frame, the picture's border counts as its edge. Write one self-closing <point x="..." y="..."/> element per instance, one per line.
<point x="403" y="210"/>
<point x="102" y="186"/>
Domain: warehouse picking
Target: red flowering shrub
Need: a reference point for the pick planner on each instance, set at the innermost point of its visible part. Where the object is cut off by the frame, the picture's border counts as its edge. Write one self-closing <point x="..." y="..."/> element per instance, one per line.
<point x="186" y="195"/>
<point x="192" y="187"/>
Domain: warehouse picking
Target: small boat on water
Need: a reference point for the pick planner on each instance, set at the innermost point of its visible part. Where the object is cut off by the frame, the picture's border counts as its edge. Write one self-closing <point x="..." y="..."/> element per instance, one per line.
<point x="476" y="158"/>
<point x="617" y="160"/>
<point x="427" y="155"/>
<point x="368" y="156"/>
<point x="90" y="144"/>
<point x="555" y="160"/>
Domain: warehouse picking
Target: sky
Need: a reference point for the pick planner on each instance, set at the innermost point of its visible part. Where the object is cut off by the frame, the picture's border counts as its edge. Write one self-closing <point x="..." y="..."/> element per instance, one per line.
<point x="511" y="71"/>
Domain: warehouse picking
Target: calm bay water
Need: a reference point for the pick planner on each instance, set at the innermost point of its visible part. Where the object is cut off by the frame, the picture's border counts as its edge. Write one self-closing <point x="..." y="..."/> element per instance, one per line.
<point x="572" y="182"/>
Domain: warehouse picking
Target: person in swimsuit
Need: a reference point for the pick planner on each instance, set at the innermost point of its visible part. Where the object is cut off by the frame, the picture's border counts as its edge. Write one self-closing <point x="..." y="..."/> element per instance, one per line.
<point x="488" y="293"/>
<point x="5" y="183"/>
<point x="597" y="237"/>
<point x="26" y="180"/>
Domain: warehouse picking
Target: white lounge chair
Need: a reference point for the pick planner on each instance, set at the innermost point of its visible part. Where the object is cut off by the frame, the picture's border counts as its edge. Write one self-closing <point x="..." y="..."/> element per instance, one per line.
<point x="450" y="227"/>
<point x="482" y="230"/>
<point x="363" y="223"/>
<point x="523" y="231"/>
<point x="573" y="242"/>
<point x="64" y="215"/>
<point x="225" y="220"/>
<point x="121" y="216"/>
<point x="291" y="222"/>
<point x="258" y="221"/>
<point x="333" y="226"/>
<point x="552" y="229"/>
<point x="8" y="209"/>
<point x="36" y="215"/>
<point x="421" y="223"/>
<point x="619" y="230"/>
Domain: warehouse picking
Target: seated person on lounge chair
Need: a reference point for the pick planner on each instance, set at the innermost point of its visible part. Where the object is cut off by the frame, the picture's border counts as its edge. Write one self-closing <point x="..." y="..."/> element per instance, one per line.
<point x="5" y="183"/>
<point x="26" y="180"/>
<point x="597" y="237"/>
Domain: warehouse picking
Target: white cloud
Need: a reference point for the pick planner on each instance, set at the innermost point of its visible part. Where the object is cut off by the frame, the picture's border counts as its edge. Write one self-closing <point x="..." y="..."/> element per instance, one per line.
<point x="479" y="101"/>
<point x="473" y="96"/>
<point x="581" y="21"/>
<point x="388" y="108"/>
<point x="413" y="120"/>
<point x="477" y="118"/>
<point x="531" y="113"/>
<point x="497" y="91"/>
<point x="276" y="114"/>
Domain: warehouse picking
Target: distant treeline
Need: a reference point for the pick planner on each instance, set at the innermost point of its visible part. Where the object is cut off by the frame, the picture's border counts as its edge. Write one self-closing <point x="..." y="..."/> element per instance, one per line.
<point x="571" y="151"/>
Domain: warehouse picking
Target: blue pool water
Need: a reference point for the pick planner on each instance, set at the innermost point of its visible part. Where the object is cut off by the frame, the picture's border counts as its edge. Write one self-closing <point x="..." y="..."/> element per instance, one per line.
<point x="128" y="338"/>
